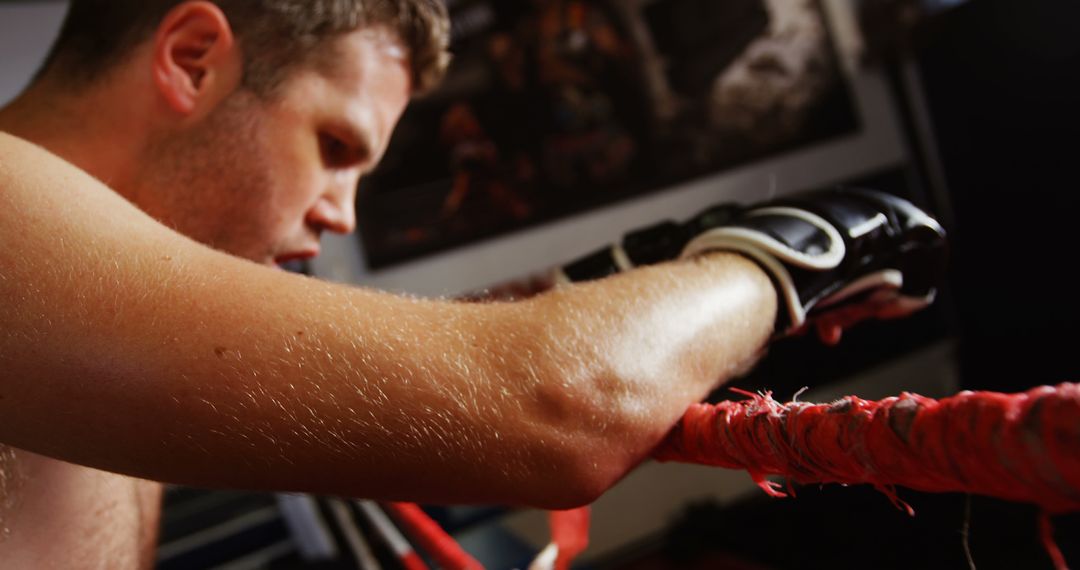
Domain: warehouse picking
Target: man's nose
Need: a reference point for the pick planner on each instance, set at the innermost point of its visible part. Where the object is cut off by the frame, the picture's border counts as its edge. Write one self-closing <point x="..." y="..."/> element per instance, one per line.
<point x="335" y="210"/>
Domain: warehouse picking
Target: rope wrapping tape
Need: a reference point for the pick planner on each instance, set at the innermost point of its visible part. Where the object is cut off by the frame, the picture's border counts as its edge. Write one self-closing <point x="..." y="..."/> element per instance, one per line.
<point x="1021" y="447"/>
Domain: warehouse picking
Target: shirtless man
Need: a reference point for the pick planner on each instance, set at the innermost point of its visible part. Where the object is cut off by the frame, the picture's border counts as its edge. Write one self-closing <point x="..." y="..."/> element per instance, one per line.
<point x="169" y="155"/>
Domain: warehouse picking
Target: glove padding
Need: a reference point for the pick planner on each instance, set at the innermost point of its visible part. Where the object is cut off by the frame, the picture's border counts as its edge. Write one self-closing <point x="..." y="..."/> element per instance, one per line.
<point x="830" y="249"/>
<point x="824" y="250"/>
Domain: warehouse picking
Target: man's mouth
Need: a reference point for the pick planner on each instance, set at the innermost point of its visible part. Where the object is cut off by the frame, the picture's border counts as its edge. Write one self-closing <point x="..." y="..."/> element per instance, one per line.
<point x="296" y="261"/>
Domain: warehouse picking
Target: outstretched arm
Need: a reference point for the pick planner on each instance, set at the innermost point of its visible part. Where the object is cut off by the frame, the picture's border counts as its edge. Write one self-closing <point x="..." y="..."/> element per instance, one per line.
<point x="130" y="348"/>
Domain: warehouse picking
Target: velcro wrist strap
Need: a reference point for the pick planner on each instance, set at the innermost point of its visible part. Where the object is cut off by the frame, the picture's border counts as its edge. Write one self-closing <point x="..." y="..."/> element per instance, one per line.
<point x="646" y="246"/>
<point x="596" y="265"/>
<point x="654" y="244"/>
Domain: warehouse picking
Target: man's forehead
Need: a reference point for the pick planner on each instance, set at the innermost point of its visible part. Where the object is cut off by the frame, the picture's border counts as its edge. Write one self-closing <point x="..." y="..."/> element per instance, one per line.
<point x="350" y="54"/>
<point x="387" y="42"/>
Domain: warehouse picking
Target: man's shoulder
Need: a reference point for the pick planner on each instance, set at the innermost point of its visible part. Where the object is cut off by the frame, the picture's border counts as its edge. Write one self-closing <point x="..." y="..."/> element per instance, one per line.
<point x="10" y="141"/>
<point x="28" y="164"/>
<point x="19" y="157"/>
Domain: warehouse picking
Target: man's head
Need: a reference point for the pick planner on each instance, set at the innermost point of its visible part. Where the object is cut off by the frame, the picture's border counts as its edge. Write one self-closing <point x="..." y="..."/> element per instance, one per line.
<point x="277" y="35"/>
<point x="255" y="118"/>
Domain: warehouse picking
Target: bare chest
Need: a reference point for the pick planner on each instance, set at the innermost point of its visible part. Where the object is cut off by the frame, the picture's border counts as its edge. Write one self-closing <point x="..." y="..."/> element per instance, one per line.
<point x="58" y="515"/>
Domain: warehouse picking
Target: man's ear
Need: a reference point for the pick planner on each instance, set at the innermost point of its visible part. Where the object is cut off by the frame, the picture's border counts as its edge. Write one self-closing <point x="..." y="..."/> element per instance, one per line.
<point x="195" y="60"/>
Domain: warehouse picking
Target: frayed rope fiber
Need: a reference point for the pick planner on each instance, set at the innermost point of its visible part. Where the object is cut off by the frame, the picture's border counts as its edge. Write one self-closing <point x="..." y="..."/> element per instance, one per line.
<point x="1021" y="447"/>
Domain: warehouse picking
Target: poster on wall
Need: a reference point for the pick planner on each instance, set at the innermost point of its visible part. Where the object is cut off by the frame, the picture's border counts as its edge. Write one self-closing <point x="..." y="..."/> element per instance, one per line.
<point x="557" y="107"/>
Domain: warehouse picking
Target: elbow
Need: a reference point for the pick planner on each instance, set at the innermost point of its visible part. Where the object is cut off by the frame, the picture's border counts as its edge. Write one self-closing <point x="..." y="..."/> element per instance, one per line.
<point x="578" y="475"/>
<point x="589" y="443"/>
<point x="582" y="426"/>
<point x="570" y="491"/>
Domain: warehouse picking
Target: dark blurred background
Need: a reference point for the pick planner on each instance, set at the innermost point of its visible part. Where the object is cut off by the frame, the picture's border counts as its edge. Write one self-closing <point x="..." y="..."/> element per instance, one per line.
<point x="988" y="90"/>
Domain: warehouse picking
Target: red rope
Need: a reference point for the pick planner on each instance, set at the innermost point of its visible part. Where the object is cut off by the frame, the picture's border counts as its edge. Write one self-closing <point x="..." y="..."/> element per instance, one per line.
<point x="570" y="532"/>
<point x="432" y="538"/>
<point x="1020" y="447"/>
<point x="1046" y="535"/>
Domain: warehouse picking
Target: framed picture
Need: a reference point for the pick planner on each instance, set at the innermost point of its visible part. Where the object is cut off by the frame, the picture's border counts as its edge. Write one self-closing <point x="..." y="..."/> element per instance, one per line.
<point x="563" y="123"/>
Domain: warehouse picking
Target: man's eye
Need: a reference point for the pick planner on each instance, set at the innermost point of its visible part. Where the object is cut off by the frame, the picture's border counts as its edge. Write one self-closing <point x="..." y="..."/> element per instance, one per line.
<point x="336" y="153"/>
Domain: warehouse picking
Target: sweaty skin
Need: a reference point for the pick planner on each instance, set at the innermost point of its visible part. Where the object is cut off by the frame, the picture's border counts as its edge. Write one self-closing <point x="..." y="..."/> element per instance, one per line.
<point x="131" y="349"/>
<point x="143" y="335"/>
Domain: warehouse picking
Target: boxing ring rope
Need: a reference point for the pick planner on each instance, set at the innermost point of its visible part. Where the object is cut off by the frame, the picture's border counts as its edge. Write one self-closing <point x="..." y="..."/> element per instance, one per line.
<point x="1022" y="447"/>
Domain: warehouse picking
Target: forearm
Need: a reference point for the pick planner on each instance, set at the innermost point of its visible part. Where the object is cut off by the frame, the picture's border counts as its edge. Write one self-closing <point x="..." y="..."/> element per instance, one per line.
<point x="404" y="398"/>
<point x="131" y="349"/>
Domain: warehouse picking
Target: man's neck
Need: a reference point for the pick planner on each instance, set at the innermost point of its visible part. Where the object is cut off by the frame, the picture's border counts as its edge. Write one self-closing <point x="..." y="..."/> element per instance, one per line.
<point x="83" y="129"/>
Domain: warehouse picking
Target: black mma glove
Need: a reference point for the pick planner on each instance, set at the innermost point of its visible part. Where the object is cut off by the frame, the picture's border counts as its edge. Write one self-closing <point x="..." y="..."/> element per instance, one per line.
<point x="823" y="250"/>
